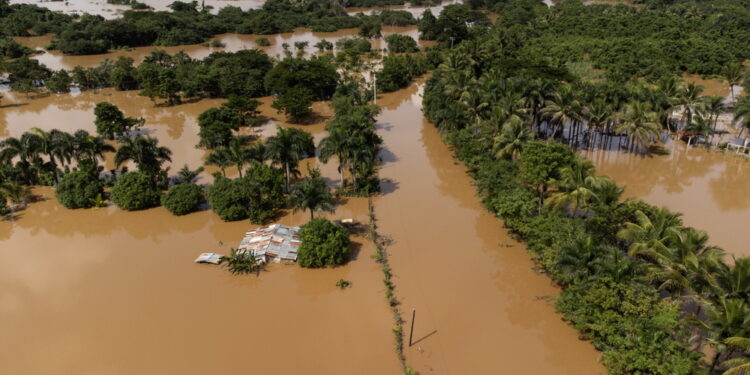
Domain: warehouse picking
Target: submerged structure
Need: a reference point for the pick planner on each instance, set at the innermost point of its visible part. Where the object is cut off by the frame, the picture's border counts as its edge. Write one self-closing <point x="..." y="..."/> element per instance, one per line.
<point x="272" y="244"/>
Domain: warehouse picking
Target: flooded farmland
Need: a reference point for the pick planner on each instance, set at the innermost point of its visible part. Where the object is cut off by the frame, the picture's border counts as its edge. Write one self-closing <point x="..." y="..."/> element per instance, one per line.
<point x="104" y="282"/>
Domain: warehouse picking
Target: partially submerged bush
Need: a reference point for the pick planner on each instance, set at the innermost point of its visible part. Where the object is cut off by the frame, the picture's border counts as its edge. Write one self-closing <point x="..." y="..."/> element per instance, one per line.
<point x="241" y="262"/>
<point x="135" y="191"/>
<point x="323" y="244"/>
<point x="183" y="199"/>
<point x="78" y="190"/>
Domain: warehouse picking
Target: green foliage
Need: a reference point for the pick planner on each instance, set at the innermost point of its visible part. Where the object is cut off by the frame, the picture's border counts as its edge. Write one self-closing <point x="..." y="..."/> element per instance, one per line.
<point x="257" y="196"/>
<point x="59" y="82"/>
<point x="323" y="244"/>
<point x="182" y="199"/>
<point x="399" y="70"/>
<point x="4" y="209"/>
<point x="357" y="45"/>
<point x="216" y="125"/>
<point x="295" y="103"/>
<point x="110" y="121"/>
<point x="135" y="191"/>
<point x="241" y="262"/>
<point x="317" y="75"/>
<point x="401" y="43"/>
<point x="78" y="189"/>
<point x="343" y="284"/>
<point x="262" y="41"/>
<point x="312" y="194"/>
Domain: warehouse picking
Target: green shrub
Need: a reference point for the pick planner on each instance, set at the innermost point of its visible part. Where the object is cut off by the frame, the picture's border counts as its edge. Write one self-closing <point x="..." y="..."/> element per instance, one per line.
<point x="78" y="190"/>
<point x="135" y="191"/>
<point x="401" y="43"/>
<point x="4" y="209"/>
<point x="257" y="196"/>
<point x="183" y="199"/>
<point x="323" y="244"/>
<point x="263" y="42"/>
<point x="229" y="198"/>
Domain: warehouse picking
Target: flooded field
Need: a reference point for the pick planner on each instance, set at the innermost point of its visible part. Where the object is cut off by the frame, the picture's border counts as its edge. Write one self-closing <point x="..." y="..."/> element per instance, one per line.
<point x="709" y="188"/>
<point x="87" y="286"/>
<point x="102" y="8"/>
<point x="233" y="42"/>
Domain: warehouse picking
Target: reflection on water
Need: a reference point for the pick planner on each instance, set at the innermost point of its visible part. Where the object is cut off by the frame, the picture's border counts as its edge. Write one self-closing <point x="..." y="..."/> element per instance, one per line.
<point x="709" y="188"/>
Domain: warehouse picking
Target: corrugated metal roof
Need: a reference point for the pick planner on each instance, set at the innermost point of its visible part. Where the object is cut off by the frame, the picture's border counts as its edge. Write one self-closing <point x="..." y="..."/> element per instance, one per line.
<point x="273" y="243"/>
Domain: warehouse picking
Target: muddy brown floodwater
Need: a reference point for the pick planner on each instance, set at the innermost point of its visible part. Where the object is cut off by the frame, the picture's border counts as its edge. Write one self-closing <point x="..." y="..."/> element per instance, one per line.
<point x="481" y="309"/>
<point x="102" y="8"/>
<point x="108" y="291"/>
<point x="233" y="42"/>
<point x="709" y="188"/>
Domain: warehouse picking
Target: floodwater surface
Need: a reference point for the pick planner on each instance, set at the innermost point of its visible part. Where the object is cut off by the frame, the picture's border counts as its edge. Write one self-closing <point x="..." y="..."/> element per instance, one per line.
<point x="108" y="291"/>
<point x="233" y="42"/>
<point x="709" y="188"/>
<point x="480" y="307"/>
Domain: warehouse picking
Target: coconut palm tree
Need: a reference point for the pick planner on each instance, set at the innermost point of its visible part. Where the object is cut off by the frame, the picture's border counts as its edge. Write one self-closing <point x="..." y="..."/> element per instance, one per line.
<point x="88" y="148"/>
<point x="577" y="258"/>
<point x="577" y="187"/>
<point x="512" y="138"/>
<point x="733" y="280"/>
<point x="742" y="113"/>
<point x="312" y="194"/>
<point x="739" y="365"/>
<point x="335" y="144"/>
<point x="728" y="317"/>
<point x="699" y="127"/>
<point x="689" y="98"/>
<point x="648" y="236"/>
<point x="640" y="124"/>
<point x="599" y="115"/>
<point x="287" y="148"/>
<point x="187" y="176"/>
<point x="563" y="108"/>
<point x="734" y="75"/>
<point x="144" y="151"/>
<point x="238" y="153"/>
<point x="220" y="158"/>
<point x="27" y="149"/>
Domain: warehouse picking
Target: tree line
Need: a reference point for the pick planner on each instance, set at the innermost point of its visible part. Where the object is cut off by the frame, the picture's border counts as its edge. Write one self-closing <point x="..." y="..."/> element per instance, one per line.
<point x="186" y="23"/>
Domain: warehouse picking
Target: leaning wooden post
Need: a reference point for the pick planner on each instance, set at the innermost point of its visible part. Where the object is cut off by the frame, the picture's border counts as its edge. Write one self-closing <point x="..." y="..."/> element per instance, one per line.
<point x="411" y="331"/>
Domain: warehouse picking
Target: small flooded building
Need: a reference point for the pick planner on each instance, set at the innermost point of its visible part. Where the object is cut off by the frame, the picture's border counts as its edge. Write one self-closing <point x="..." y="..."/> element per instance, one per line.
<point x="272" y="244"/>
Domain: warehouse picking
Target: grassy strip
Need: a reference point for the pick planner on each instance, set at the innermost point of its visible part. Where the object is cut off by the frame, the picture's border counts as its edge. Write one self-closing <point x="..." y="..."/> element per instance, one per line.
<point x="381" y="256"/>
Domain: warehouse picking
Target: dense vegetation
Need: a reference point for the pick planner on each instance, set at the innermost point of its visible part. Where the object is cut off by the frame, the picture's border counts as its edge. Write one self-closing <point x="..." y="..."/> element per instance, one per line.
<point x="135" y="191"/>
<point x="78" y="189"/>
<point x="323" y="244"/>
<point x="186" y="23"/>
<point x="648" y="291"/>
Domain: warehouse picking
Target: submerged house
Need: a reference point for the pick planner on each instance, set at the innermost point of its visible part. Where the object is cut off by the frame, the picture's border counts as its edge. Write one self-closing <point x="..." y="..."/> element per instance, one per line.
<point x="275" y="243"/>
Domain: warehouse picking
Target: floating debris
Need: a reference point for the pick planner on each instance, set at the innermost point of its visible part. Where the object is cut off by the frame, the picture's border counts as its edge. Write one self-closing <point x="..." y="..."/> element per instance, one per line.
<point x="212" y="258"/>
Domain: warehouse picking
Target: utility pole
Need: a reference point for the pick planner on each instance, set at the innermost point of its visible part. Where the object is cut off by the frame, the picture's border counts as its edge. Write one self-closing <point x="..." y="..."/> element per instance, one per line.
<point x="411" y="331"/>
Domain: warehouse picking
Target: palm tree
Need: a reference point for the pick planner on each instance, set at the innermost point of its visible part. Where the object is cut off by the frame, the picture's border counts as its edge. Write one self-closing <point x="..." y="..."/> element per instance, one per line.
<point x="27" y="149"/>
<point x="599" y="115"/>
<point x="312" y="194"/>
<point x="17" y="193"/>
<point x="220" y="157"/>
<point x="699" y="127"/>
<point x="728" y="317"/>
<point x="576" y="258"/>
<point x="563" y="108"/>
<point x="689" y="97"/>
<point x="512" y="138"/>
<point x="742" y="113"/>
<point x="739" y="365"/>
<point x="187" y="176"/>
<point x="734" y="74"/>
<point x="144" y="151"/>
<point x="648" y="235"/>
<point x="237" y="152"/>
<point x="733" y="281"/>
<point x="287" y="148"/>
<point x="335" y="144"/>
<point x="639" y="122"/>
<point x="577" y="187"/>
<point x="88" y="148"/>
